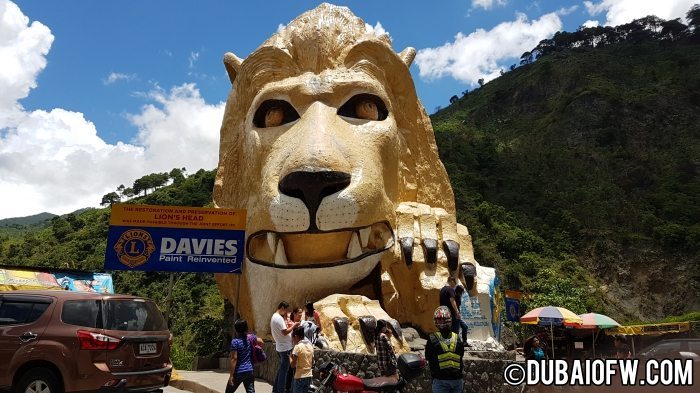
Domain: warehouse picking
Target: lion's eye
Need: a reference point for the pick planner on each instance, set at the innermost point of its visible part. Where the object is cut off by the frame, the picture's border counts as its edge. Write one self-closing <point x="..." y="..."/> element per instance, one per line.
<point x="365" y="107"/>
<point x="273" y="113"/>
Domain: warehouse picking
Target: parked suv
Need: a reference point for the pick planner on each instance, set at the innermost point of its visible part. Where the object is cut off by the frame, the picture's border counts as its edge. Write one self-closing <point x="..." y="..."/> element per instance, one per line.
<point x="62" y="341"/>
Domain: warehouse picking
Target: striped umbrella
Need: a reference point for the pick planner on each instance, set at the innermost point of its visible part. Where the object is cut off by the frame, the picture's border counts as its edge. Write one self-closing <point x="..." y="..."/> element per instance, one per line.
<point x="551" y="316"/>
<point x="596" y="321"/>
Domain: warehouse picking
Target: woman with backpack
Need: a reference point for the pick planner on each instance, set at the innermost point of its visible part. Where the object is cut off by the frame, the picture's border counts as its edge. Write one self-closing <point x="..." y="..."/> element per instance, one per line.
<point x="242" y="358"/>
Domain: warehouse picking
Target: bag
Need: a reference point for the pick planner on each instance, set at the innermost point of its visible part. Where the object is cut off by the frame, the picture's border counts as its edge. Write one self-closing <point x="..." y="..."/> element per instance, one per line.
<point x="257" y="353"/>
<point x="410" y="366"/>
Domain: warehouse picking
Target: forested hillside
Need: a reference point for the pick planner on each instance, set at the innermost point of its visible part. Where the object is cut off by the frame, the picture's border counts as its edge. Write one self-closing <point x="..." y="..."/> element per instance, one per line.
<point x="577" y="173"/>
<point x="583" y="167"/>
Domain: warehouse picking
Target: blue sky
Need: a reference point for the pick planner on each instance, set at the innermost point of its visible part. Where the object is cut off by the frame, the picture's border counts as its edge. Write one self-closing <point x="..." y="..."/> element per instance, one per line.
<point x="98" y="93"/>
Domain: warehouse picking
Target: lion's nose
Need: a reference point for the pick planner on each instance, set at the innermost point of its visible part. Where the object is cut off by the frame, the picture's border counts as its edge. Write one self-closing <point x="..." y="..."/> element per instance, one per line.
<point x="312" y="187"/>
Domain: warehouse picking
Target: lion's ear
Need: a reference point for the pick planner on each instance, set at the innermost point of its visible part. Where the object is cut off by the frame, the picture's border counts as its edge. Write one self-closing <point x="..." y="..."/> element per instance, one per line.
<point x="407" y="55"/>
<point x="233" y="65"/>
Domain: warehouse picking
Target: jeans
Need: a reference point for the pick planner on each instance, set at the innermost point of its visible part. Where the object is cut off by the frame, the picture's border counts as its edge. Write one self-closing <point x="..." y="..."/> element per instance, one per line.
<point x="302" y="385"/>
<point x="247" y="379"/>
<point x="465" y="329"/>
<point x="448" y="385"/>
<point x="281" y="379"/>
<point x="455" y="325"/>
<point x="289" y="380"/>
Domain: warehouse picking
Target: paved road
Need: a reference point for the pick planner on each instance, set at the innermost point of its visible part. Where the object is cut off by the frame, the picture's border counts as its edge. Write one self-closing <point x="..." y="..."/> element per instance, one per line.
<point x="210" y="381"/>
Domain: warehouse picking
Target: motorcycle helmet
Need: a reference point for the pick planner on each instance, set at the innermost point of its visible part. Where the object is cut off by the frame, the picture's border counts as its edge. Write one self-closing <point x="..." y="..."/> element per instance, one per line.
<point x="442" y="318"/>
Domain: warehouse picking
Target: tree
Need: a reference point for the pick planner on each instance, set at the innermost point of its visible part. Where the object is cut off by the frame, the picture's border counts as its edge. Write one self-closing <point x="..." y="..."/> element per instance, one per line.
<point x="526" y="58"/>
<point x="110" y="198"/>
<point x="177" y="175"/>
<point x="454" y="99"/>
<point x="673" y="29"/>
<point x="60" y="228"/>
<point x="693" y="17"/>
<point x="128" y="192"/>
<point x="480" y="82"/>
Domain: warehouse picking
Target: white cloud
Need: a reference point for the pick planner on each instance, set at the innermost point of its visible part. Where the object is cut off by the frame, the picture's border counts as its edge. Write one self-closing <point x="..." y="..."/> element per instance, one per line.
<point x="118" y="76"/>
<point x="23" y="48"/>
<point x="566" y="11"/>
<point x="591" y="23"/>
<point x="179" y="124"/>
<point x="478" y="54"/>
<point x="378" y="30"/>
<point x="487" y="4"/>
<point x="194" y="56"/>
<point x="56" y="161"/>
<point x="618" y="12"/>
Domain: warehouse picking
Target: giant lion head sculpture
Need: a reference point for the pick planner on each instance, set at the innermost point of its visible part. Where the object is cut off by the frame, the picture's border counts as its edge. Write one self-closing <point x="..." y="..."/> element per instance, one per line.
<point x="326" y="145"/>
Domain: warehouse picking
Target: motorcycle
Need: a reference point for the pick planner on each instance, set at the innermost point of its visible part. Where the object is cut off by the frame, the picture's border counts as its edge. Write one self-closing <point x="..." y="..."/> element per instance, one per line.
<point x="334" y="377"/>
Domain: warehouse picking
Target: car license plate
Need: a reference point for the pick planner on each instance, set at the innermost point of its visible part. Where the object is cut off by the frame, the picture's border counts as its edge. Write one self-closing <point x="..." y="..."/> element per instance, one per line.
<point x="147" y="348"/>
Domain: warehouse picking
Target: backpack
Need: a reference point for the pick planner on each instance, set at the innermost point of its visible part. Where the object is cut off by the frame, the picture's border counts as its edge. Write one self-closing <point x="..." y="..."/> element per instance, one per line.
<point x="257" y="353"/>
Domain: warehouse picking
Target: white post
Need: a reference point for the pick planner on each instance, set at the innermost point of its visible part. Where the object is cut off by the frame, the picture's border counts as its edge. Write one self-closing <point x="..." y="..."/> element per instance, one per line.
<point x="551" y="332"/>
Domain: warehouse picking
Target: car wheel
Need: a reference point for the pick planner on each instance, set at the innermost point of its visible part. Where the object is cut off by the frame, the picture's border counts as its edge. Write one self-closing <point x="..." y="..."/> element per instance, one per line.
<point x="38" y="380"/>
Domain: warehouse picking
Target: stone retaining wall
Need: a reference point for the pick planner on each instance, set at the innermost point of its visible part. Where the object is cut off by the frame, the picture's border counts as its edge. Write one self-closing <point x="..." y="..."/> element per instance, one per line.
<point x="480" y="375"/>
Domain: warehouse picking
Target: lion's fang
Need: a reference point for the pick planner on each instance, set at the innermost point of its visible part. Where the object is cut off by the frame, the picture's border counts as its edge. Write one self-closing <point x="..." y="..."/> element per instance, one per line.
<point x="280" y="255"/>
<point x="354" y="249"/>
<point x="272" y="241"/>
<point x="364" y="236"/>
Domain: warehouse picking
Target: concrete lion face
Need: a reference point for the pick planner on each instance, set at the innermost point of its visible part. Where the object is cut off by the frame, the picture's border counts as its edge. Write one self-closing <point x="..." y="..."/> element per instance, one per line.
<point x="325" y="144"/>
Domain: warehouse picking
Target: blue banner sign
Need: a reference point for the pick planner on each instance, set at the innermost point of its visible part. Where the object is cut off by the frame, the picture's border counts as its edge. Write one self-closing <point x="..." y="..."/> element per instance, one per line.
<point x="512" y="310"/>
<point x="175" y="239"/>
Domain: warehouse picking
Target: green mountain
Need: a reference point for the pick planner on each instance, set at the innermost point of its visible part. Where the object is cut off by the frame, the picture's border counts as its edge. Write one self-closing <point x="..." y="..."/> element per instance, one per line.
<point x="17" y="225"/>
<point x="582" y="169"/>
<point x="28" y="220"/>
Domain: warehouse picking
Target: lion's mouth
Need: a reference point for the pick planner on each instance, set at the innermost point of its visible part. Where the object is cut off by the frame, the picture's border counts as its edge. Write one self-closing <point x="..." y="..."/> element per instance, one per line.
<point x="318" y="249"/>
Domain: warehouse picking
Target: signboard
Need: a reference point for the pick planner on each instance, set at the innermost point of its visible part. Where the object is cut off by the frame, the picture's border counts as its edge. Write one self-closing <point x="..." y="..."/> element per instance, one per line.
<point x="480" y="311"/>
<point x="175" y="239"/>
<point x="513" y="294"/>
<point x="513" y="305"/>
<point x="12" y="280"/>
<point x="512" y="310"/>
<point x="88" y="282"/>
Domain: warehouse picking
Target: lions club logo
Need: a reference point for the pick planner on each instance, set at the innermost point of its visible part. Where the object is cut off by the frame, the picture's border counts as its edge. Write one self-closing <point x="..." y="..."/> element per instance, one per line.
<point x="134" y="247"/>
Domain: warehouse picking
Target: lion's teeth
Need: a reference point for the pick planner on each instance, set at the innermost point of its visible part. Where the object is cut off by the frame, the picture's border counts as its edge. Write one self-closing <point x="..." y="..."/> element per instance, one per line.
<point x="280" y="255"/>
<point x="354" y="249"/>
<point x="364" y="236"/>
<point x="272" y="241"/>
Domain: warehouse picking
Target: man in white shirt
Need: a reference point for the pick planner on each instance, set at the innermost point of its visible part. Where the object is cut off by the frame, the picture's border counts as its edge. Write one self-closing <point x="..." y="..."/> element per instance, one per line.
<point x="283" y="344"/>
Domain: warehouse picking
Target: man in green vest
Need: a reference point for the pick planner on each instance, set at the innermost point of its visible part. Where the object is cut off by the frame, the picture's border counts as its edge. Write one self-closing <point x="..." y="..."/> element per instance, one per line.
<point x="444" y="351"/>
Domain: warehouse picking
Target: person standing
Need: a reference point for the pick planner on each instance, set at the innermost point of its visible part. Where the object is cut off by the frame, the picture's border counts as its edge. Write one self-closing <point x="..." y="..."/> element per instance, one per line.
<point x="448" y="298"/>
<point x="536" y="351"/>
<point x="242" y="358"/>
<point x="622" y="350"/>
<point x="302" y="361"/>
<point x="311" y="314"/>
<point x="281" y="333"/>
<point x="385" y="351"/>
<point x="463" y="327"/>
<point x="444" y="351"/>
